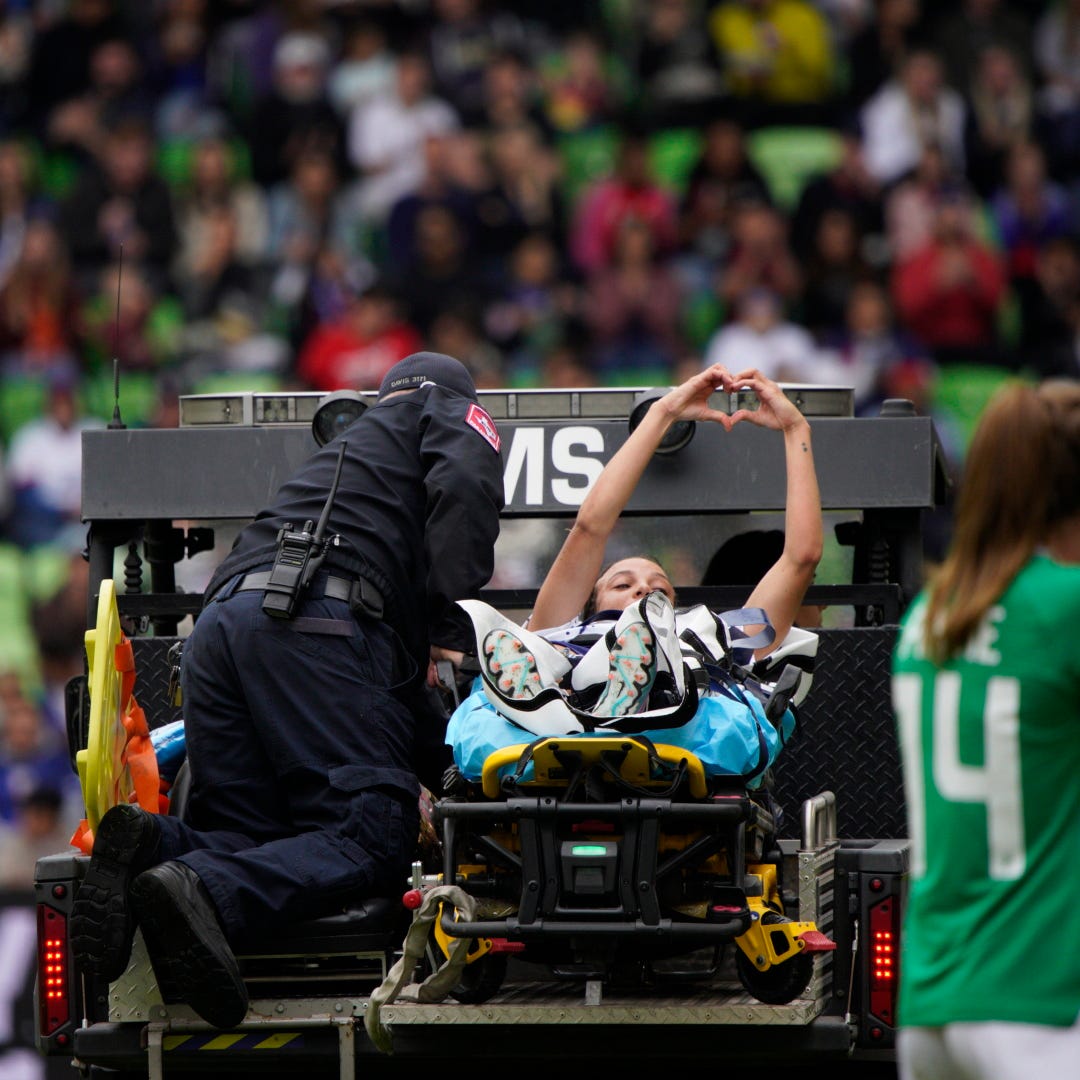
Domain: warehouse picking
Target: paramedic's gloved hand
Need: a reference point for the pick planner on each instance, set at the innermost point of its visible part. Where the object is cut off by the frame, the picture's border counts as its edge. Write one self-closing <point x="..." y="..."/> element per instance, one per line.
<point x="438" y="653"/>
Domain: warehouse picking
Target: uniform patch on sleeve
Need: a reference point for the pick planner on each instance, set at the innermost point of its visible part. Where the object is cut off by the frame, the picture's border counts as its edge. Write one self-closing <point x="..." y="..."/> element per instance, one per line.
<point x="478" y="419"/>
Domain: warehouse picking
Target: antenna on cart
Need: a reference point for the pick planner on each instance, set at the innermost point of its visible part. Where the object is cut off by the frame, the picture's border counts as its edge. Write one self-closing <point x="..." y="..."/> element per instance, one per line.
<point x="116" y="423"/>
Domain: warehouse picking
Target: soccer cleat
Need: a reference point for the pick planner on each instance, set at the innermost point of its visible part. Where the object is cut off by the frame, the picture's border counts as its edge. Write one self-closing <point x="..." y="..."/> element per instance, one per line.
<point x="624" y="663"/>
<point x="520" y="673"/>
<point x="700" y="631"/>
<point x="126" y="842"/>
<point x="631" y="672"/>
<point x="610" y="672"/>
<point x="511" y="665"/>
<point x="799" y="650"/>
<point x="551" y="664"/>
<point x="661" y="619"/>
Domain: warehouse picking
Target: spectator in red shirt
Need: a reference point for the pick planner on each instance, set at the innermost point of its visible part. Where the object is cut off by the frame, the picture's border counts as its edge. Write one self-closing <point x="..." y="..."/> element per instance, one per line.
<point x="631" y="192"/>
<point x="949" y="291"/>
<point x="356" y="350"/>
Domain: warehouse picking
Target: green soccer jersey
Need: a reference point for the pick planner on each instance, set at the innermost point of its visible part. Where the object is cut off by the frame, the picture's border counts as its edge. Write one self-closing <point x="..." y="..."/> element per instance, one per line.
<point x="990" y="746"/>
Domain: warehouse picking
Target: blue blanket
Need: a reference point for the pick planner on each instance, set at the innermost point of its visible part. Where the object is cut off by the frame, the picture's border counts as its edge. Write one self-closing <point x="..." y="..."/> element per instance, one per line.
<point x="729" y="734"/>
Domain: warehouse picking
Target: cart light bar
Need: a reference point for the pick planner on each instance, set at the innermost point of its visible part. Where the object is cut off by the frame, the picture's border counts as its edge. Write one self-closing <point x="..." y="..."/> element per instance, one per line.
<point x="247" y="408"/>
<point x="884" y="959"/>
<point x="54" y="972"/>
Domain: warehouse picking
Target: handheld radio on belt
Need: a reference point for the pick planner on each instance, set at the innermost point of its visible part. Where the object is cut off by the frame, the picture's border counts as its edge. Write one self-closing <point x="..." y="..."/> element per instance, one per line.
<point x="299" y="554"/>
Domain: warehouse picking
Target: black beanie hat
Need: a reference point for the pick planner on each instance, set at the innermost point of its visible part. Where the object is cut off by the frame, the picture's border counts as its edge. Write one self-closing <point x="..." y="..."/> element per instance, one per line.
<point x="432" y="367"/>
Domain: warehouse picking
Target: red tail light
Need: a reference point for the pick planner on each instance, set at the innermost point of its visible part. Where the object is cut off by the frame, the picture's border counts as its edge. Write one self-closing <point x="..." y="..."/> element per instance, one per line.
<point x="884" y="959"/>
<point x="54" y="991"/>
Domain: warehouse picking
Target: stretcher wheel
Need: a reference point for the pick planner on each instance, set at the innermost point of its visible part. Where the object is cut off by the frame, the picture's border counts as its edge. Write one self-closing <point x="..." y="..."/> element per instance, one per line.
<point x="481" y="979"/>
<point x="780" y="983"/>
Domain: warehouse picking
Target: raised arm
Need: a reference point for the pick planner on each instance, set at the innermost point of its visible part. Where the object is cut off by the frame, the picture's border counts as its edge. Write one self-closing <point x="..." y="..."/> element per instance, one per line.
<point x="573" y="574"/>
<point x="780" y="592"/>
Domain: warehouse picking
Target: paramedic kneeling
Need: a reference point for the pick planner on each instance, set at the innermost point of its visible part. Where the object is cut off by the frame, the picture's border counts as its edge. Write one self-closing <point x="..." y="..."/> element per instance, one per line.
<point x="299" y="710"/>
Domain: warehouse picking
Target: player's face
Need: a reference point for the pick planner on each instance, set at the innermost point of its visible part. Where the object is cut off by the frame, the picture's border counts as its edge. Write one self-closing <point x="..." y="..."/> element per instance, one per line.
<point x="628" y="581"/>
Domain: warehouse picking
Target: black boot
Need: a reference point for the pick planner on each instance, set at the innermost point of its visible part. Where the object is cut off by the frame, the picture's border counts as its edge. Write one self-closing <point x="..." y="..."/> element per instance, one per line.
<point x="126" y="843"/>
<point x="192" y="961"/>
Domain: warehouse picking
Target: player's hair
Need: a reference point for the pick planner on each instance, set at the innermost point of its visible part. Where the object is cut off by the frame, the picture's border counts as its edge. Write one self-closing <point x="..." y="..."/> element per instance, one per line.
<point x="1021" y="478"/>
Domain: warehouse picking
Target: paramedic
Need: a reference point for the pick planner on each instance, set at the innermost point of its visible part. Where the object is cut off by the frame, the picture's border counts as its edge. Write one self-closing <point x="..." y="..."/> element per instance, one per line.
<point x="300" y="727"/>
<point x="986" y="691"/>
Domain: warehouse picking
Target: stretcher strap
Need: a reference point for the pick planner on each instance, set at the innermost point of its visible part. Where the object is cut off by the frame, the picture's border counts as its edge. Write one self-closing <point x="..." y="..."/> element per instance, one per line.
<point x="141" y="759"/>
<point x="124" y="661"/>
<point x="440" y="982"/>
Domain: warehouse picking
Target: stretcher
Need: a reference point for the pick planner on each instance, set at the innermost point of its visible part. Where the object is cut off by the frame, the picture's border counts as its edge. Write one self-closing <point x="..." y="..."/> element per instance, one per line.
<point x="616" y="862"/>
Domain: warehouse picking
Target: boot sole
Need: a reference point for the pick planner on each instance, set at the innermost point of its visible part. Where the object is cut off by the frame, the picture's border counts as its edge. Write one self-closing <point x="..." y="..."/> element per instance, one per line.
<point x="102" y="922"/>
<point x="511" y="666"/>
<point x="632" y="668"/>
<point x="192" y="965"/>
<point x="514" y="684"/>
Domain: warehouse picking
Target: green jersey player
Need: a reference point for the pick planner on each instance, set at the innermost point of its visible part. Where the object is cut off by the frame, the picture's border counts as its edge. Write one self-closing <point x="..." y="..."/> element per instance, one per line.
<point x="986" y="692"/>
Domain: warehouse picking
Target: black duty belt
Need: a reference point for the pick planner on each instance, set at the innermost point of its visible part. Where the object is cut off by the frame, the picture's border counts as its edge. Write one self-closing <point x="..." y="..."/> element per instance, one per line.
<point x="363" y="597"/>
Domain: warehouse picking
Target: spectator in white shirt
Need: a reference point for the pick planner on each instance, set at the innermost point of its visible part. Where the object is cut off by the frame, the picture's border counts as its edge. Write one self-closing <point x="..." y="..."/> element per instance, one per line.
<point x="912" y="110"/>
<point x="760" y="336"/>
<point x="45" y="467"/>
<point x="386" y="137"/>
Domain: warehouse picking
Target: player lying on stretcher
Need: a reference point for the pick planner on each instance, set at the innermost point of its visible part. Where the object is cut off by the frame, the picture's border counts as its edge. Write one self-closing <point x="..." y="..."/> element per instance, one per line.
<point x="608" y="651"/>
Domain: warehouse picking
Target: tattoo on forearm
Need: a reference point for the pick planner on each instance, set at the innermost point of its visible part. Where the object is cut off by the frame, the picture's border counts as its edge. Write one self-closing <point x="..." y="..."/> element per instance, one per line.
<point x="805" y="448"/>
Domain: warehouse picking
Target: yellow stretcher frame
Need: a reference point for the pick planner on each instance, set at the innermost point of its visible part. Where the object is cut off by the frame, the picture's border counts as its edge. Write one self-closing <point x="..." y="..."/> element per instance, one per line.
<point x="118" y="763"/>
<point x="635" y="764"/>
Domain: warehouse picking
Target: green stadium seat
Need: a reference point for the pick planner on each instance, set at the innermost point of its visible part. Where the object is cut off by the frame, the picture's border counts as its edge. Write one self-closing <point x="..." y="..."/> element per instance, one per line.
<point x="174" y="159"/>
<point x="59" y="170"/>
<point x="25" y="397"/>
<point x="789" y="156"/>
<point x="586" y="156"/>
<point x="702" y="313"/>
<point x="22" y="398"/>
<point x="963" y="391"/>
<point x="45" y="570"/>
<point x="138" y="396"/>
<point x="673" y="153"/>
<point x="637" y="376"/>
<point x="18" y="646"/>
<point x="237" y="382"/>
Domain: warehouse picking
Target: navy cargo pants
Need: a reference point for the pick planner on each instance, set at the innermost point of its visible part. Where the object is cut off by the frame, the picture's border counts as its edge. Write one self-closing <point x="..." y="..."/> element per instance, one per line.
<point x="303" y="798"/>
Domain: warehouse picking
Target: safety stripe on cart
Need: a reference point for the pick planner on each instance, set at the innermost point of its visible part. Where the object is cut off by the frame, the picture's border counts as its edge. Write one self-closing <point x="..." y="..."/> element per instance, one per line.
<point x="233" y="1042"/>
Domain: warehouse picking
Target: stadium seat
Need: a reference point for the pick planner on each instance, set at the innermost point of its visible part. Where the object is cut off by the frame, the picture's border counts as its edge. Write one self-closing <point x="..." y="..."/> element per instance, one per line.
<point x="59" y="170"/>
<point x="673" y="153"/>
<point x="138" y="396"/>
<point x="175" y="156"/>
<point x="586" y="156"/>
<point x="963" y="391"/>
<point x="636" y="376"/>
<point x="702" y="313"/>
<point x="18" y="646"/>
<point x="22" y="399"/>
<point x="235" y="382"/>
<point x="789" y="156"/>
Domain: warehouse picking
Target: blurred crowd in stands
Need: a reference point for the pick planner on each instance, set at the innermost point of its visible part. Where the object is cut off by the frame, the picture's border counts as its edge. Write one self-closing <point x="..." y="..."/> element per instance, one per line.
<point x="881" y="194"/>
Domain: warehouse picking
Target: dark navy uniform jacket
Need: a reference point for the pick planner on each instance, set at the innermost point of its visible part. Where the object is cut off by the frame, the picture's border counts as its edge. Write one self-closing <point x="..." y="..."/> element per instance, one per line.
<point x="302" y="734"/>
<point x="408" y="521"/>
